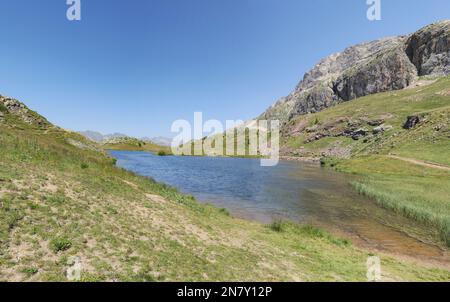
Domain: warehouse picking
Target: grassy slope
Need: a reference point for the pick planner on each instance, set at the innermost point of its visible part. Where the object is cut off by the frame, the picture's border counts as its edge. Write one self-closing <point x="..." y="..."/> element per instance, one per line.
<point x="418" y="192"/>
<point x="58" y="200"/>
<point x="131" y="144"/>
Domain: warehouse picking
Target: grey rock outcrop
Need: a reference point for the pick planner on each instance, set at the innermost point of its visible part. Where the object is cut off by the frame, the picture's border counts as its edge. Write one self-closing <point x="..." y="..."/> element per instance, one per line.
<point x="389" y="71"/>
<point x="18" y="109"/>
<point x="368" y="68"/>
<point x="429" y="49"/>
<point x="412" y="121"/>
<point x="381" y="129"/>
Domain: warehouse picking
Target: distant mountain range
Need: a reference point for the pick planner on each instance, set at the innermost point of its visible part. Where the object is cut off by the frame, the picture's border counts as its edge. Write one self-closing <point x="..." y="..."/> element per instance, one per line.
<point x="100" y="138"/>
<point x="160" y="140"/>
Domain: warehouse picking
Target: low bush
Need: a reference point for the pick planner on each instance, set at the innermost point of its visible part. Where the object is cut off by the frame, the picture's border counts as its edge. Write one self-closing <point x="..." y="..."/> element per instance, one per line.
<point x="60" y="244"/>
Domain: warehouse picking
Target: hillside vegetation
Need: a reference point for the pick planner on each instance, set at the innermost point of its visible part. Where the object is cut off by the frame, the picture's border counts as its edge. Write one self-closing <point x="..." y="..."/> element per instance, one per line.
<point x="134" y="144"/>
<point x="61" y="197"/>
<point x="381" y="110"/>
<point x="397" y="141"/>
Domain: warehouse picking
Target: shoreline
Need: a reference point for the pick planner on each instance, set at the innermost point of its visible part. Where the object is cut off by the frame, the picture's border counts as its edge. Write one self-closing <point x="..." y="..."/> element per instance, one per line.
<point x="359" y="242"/>
<point x="312" y="160"/>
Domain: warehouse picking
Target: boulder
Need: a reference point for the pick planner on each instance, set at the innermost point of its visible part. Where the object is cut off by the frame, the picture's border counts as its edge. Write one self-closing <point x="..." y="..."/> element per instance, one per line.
<point x="412" y="121"/>
<point x="381" y="129"/>
<point x="376" y="123"/>
<point x="359" y="133"/>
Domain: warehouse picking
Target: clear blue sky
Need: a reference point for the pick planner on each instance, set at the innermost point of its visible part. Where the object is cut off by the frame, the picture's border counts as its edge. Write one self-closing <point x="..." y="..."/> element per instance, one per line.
<point x="134" y="66"/>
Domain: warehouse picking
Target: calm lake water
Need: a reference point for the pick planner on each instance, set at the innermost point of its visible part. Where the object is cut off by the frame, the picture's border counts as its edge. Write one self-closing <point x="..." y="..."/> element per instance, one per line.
<point x="292" y="190"/>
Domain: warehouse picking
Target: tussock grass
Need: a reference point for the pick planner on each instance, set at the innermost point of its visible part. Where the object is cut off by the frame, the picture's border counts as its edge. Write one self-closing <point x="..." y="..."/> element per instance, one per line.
<point x="410" y="204"/>
<point x="281" y="226"/>
<point x="60" y="244"/>
<point x="416" y="192"/>
<point x="277" y="226"/>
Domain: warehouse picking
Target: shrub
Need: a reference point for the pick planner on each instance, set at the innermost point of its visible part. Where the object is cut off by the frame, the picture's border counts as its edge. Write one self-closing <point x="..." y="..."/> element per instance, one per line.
<point x="224" y="211"/>
<point x="30" y="271"/>
<point x="316" y="232"/>
<point x="84" y="166"/>
<point x="60" y="244"/>
<point x="329" y="161"/>
<point x="3" y="108"/>
<point x="313" y="231"/>
<point x="277" y="226"/>
<point x="162" y="153"/>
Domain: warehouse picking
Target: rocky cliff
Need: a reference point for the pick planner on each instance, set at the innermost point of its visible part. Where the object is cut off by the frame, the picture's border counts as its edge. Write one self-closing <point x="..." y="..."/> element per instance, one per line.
<point x="368" y="68"/>
<point x="429" y="49"/>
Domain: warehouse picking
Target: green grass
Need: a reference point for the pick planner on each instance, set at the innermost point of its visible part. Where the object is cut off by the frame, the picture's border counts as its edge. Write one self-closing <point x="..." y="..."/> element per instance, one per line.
<point x="411" y="190"/>
<point x="417" y="192"/>
<point x="281" y="226"/>
<point x="394" y="107"/>
<point x="162" y="153"/>
<point x="30" y="271"/>
<point x="132" y="144"/>
<point x="60" y="244"/>
<point x="277" y="226"/>
<point x="130" y="228"/>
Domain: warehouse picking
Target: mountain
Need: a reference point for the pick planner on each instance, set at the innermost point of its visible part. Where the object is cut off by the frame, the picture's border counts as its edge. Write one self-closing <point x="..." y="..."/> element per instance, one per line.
<point x="160" y="140"/>
<point x="383" y="65"/>
<point x="381" y="112"/>
<point x="118" y="141"/>
<point x="135" y="144"/>
<point x="62" y="201"/>
<point x="108" y="138"/>
<point x="61" y="195"/>
<point x="93" y="135"/>
<point x="13" y="108"/>
<point x="98" y="137"/>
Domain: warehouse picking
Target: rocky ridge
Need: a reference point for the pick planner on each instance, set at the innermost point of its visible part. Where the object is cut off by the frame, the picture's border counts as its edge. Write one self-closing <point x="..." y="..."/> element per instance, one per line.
<point x="18" y="109"/>
<point x="382" y="65"/>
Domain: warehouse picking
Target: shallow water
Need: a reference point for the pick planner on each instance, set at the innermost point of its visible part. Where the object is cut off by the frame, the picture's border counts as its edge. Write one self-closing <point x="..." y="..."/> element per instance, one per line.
<point x="292" y="190"/>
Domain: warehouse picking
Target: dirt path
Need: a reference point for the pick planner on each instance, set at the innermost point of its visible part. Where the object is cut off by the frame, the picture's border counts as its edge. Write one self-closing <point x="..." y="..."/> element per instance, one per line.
<point x="421" y="162"/>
